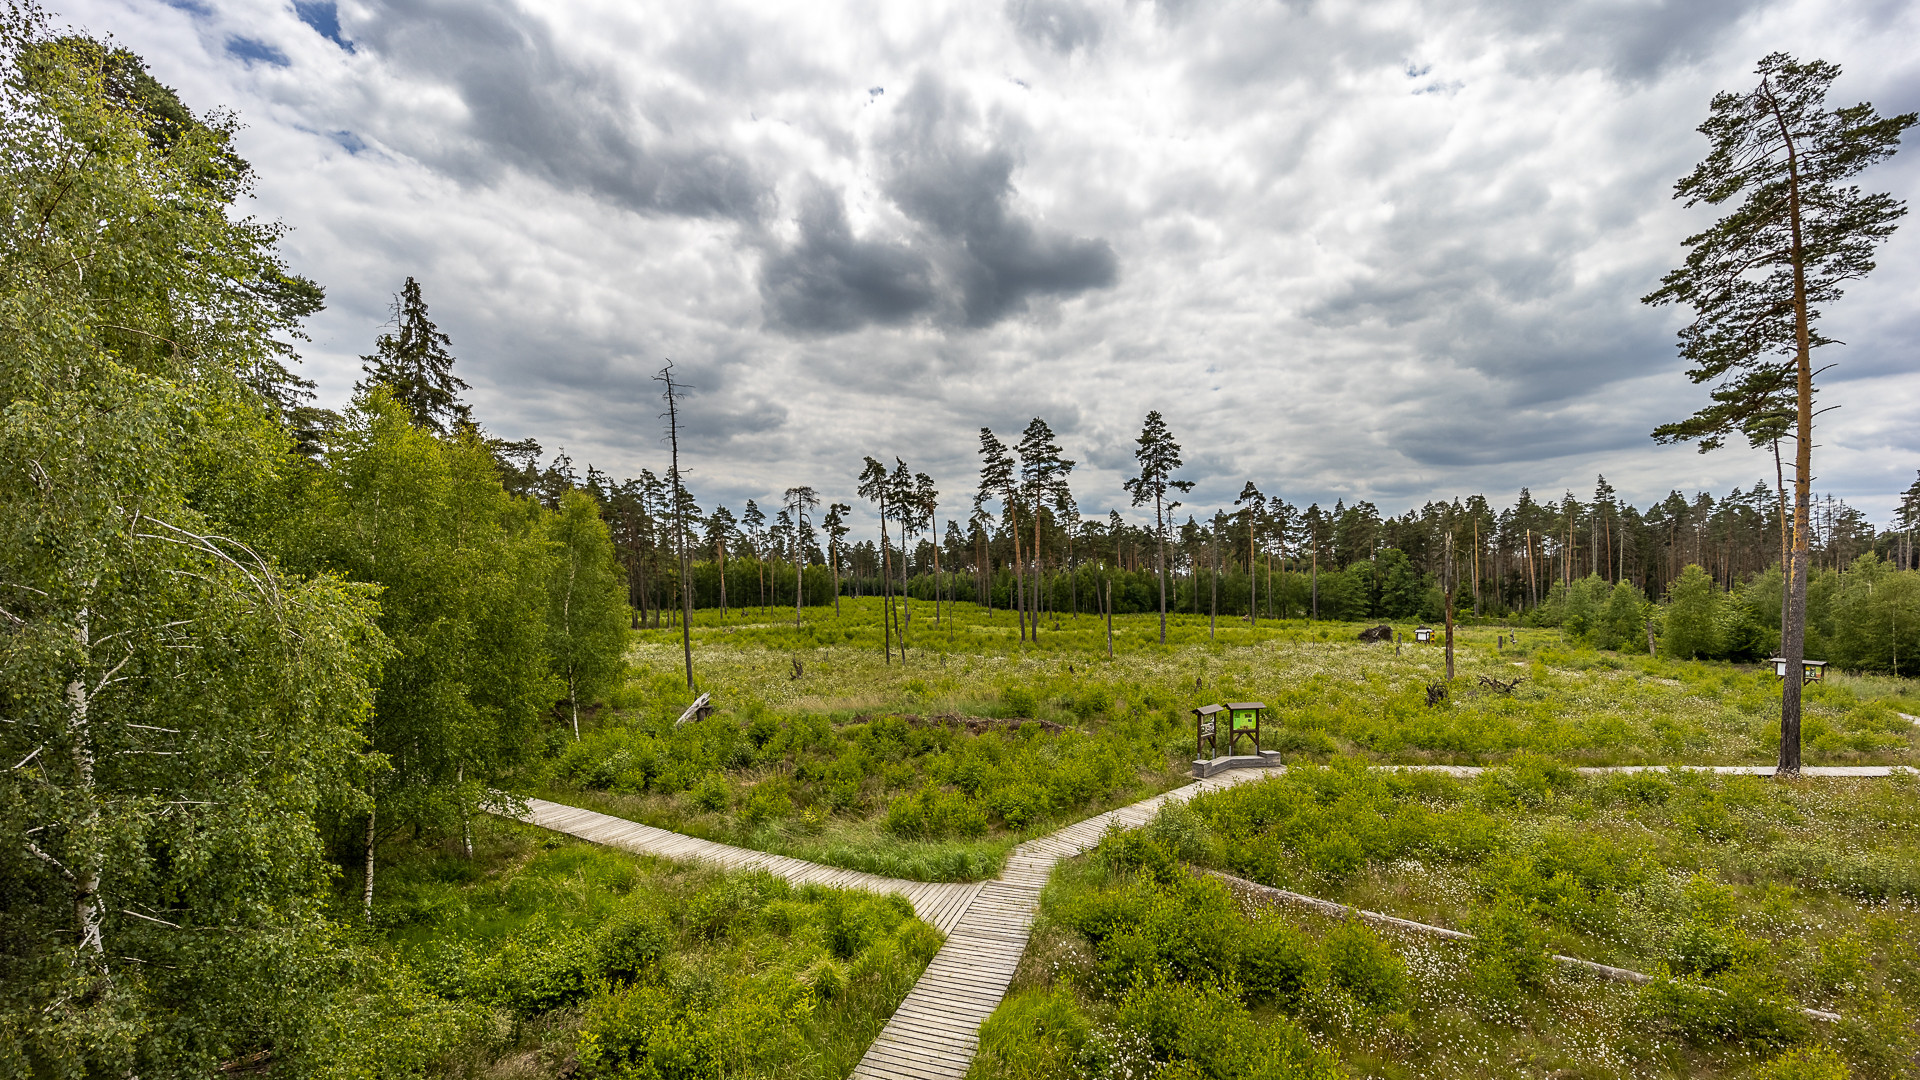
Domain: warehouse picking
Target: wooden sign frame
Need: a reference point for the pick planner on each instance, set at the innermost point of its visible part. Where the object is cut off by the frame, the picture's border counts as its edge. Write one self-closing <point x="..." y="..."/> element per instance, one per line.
<point x="1242" y="724"/>
<point x="1206" y="731"/>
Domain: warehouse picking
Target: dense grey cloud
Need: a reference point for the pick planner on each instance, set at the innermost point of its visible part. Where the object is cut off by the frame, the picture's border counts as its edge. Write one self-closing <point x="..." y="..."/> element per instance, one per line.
<point x="527" y="104"/>
<point x="831" y="282"/>
<point x="958" y="183"/>
<point x="1350" y="251"/>
<point x="973" y="258"/>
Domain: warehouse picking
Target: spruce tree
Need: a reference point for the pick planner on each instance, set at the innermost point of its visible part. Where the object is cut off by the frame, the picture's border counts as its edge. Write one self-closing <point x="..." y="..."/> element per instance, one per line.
<point x="414" y="363"/>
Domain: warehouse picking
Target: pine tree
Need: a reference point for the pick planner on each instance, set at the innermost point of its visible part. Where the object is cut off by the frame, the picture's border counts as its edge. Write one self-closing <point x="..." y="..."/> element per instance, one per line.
<point x="1043" y="474"/>
<point x="1158" y="456"/>
<point x="414" y="363"/>
<point x="998" y="481"/>
<point x="1757" y="278"/>
<point x="1253" y="505"/>
<point x="799" y="501"/>
<point x="835" y="526"/>
<point x="875" y="487"/>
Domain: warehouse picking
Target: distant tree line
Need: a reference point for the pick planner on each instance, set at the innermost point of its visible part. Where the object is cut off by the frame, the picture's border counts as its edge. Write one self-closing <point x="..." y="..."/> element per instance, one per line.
<point x="1272" y="557"/>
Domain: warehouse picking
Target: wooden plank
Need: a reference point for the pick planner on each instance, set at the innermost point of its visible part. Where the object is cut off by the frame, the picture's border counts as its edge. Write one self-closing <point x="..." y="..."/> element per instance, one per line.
<point x="922" y="1048"/>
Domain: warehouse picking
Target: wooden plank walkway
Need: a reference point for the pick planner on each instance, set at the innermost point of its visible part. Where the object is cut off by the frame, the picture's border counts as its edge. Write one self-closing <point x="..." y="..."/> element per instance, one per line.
<point x="935" y="1031"/>
<point x="1463" y="771"/>
<point x="938" y="902"/>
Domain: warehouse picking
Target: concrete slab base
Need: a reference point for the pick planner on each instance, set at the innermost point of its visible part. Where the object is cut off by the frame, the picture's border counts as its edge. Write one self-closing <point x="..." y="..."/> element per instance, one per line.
<point x="1265" y="759"/>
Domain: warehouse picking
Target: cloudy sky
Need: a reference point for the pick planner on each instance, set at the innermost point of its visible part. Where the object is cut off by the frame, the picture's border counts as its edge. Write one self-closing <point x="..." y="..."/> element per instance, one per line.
<point x="1373" y="250"/>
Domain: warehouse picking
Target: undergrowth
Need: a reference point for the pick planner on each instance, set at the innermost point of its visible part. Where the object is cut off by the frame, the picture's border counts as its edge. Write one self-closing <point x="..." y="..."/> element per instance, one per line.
<point x="542" y="956"/>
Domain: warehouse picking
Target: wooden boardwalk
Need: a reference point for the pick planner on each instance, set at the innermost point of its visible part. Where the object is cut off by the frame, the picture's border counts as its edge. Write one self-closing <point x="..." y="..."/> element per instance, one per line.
<point x="937" y="902"/>
<point x="935" y="1031"/>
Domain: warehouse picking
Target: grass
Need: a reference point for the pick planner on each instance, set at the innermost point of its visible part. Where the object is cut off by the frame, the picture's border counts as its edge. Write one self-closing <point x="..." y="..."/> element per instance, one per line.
<point x="1748" y="898"/>
<point x="542" y="956"/>
<point x="841" y="759"/>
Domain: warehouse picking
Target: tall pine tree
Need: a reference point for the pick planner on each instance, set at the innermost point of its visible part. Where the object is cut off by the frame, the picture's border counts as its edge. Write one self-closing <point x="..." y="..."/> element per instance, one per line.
<point x="1757" y="279"/>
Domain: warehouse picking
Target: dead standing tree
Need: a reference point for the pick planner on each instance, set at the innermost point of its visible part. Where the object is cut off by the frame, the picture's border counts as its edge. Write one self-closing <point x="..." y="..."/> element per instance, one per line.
<point x="671" y="393"/>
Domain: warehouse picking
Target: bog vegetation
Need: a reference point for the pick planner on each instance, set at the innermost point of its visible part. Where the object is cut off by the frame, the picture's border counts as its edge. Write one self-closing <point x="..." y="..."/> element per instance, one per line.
<point x="1746" y="902"/>
<point x="272" y="679"/>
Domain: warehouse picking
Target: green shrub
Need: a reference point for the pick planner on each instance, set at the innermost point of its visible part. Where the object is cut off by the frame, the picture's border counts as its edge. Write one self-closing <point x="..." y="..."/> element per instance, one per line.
<point x="539" y="969"/>
<point x="1019" y="701"/>
<point x="1509" y="951"/>
<point x="1202" y="1030"/>
<point x="1810" y="1063"/>
<point x="1019" y="805"/>
<point x="935" y="815"/>
<point x="1364" y="966"/>
<point x="632" y="943"/>
<point x="767" y="801"/>
<point x="1693" y="615"/>
<point x="639" y="1031"/>
<point x="1279" y="964"/>
<point x="1741" y="1005"/>
<point x="712" y="793"/>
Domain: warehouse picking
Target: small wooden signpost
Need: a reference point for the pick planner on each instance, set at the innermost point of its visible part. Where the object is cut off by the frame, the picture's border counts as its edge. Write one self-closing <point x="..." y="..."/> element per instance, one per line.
<point x="1206" y="742"/>
<point x="1812" y="670"/>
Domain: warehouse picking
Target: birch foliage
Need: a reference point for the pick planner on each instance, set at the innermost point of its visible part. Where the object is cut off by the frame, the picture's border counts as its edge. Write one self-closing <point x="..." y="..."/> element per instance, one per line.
<point x="173" y="708"/>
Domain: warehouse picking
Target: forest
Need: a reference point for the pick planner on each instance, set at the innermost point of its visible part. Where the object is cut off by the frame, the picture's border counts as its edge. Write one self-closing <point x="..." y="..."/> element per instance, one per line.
<point x="279" y="684"/>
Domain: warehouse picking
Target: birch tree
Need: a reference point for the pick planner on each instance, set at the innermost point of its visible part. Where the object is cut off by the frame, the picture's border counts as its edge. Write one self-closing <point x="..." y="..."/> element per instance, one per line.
<point x="585" y="636"/>
<point x="177" y="707"/>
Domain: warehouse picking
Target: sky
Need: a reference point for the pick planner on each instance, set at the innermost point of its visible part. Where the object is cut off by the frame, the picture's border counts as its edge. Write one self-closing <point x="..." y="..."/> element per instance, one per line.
<point x="1389" y="251"/>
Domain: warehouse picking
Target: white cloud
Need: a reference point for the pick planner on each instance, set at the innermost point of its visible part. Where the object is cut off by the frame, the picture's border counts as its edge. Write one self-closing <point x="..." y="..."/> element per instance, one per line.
<point x="1387" y="251"/>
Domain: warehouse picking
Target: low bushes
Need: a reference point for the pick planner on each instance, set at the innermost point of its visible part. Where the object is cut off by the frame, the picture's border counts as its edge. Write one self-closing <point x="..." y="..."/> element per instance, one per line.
<point x="633" y="969"/>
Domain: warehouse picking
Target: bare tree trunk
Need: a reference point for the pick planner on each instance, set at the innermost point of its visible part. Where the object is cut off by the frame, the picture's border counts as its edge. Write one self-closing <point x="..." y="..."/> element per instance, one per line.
<point x="1447" y="584"/>
<point x="1019" y="584"/>
<point x="1160" y="534"/>
<point x="1786" y="580"/>
<point x="1476" y="566"/>
<point x="1036" y="568"/>
<point x="1793" y="643"/>
<point x="1109" y="618"/>
<point x="906" y="599"/>
<point x="680" y="524"/>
